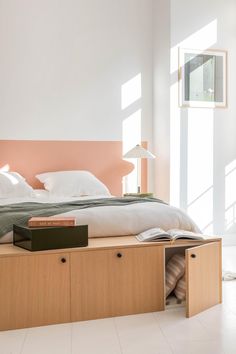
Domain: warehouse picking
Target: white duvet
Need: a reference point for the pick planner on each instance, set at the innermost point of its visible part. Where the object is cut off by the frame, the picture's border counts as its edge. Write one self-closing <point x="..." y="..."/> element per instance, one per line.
<point x="117" y="220"/>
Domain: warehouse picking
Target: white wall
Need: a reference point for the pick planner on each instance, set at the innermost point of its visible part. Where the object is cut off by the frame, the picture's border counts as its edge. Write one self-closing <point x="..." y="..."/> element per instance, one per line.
<point x="161" y="97"/>
<point x="202" y="144"/>
<point x="63" y="64"/>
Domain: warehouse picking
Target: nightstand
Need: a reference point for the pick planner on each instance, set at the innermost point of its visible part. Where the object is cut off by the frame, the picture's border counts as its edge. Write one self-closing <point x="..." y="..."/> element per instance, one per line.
<point x="139" y="195"/>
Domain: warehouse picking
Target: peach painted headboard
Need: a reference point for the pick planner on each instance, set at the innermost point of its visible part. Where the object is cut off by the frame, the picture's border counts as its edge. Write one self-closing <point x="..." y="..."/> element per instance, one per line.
<point x="102" y="158"/>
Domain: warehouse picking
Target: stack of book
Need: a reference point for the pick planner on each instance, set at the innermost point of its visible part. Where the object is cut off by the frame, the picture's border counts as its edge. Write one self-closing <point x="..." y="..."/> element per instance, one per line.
<point x="53" y="232"/>
<point x="51" y="221"/>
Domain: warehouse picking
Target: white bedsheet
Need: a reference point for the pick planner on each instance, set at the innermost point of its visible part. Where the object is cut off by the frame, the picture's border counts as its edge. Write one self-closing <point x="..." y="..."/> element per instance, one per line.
<point x="118" y="220"/>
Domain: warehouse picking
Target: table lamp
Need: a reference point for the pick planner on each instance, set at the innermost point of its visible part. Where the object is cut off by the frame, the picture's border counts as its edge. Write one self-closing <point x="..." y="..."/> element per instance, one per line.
<point x="138" y="152"/>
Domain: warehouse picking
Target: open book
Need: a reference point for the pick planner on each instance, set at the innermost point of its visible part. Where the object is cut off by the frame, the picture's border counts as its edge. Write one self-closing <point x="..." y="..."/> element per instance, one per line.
<point x="157" y="234"/>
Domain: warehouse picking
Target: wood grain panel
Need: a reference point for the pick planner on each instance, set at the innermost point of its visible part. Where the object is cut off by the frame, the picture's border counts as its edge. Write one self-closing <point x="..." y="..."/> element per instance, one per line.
<point x="90" y="285"/>
<point x="138" y="280"/>
<point x="104" y="285"/>
<point x="203" y="277"/>
<point x="103" y="243"/>
<point x="34" y="291"/>
<point x="111" y="277"/>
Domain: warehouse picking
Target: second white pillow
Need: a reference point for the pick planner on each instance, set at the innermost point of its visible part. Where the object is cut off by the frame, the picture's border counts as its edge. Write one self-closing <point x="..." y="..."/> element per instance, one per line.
<point x="73" y="183"/>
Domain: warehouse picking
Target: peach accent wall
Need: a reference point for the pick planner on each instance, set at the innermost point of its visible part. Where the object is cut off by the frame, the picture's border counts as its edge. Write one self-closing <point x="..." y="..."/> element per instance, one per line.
<point x="102" y="158"/>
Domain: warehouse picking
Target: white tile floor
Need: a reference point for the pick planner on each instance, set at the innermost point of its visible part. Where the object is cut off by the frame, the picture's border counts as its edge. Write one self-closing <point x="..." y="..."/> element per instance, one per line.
<point x="169" y="332"/>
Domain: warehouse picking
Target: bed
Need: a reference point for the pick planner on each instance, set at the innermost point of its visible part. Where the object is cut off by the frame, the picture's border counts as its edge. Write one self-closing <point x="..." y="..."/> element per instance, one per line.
<point x="104" y="214"/>
<point x="110" y="217"/>
<point x="35" y="158"/>
<point x="115" y="266"/>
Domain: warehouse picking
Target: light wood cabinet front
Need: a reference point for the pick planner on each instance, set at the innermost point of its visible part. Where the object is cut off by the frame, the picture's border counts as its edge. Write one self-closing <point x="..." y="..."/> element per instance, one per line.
<point x="100" y="281"/>
<point x="90" y="285"/>
<point x="34" y="290"/>
<point x="203" y="277"/>
<point x="116" y="282"/>
<point x="138" y="280"/>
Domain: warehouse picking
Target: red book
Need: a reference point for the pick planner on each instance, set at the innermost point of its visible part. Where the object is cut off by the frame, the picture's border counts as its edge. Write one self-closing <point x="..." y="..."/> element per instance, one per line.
<point x="41" y="221"/>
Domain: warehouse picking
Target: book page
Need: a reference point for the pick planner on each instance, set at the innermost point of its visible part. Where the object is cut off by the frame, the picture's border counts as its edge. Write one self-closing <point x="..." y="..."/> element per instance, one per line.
<point x="153" y="234"/>
<point x="176" y="234"/>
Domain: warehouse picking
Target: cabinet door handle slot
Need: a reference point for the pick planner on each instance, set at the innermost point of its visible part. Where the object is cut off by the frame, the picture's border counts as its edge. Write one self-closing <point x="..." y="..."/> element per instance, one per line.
<point x="193" y="255"/>
<point x="119" y="255"/>
<point x="63" y="260"/>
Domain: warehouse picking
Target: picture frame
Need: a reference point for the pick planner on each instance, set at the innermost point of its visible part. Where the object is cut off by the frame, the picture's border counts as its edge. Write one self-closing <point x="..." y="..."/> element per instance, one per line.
<point x="202" y="78"/>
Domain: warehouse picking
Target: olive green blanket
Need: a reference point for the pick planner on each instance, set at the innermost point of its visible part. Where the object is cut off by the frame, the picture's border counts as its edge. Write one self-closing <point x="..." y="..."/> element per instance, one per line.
<point x="20" y="213"/>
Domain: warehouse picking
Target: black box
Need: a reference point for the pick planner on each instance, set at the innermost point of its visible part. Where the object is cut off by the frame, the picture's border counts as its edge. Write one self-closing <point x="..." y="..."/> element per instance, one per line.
<point x="48" y="238"/>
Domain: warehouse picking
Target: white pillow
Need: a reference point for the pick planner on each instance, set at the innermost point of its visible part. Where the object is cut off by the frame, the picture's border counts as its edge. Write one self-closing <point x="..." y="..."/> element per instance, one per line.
<point x="12" y="184"/>
<point x="72" y="183"/>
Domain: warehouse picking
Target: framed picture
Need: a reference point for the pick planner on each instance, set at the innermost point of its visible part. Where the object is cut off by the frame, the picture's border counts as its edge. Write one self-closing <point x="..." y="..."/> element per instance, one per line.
<point x="202" y="78"/>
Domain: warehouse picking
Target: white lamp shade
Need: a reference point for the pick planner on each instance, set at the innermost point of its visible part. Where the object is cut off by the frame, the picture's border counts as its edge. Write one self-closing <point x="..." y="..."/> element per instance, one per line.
<point x="139" y="152"/>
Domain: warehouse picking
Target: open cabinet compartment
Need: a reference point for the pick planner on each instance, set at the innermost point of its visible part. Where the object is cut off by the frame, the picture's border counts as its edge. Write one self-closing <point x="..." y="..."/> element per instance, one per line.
<point x="202" y="274"/>
<point x="171" y="300"/>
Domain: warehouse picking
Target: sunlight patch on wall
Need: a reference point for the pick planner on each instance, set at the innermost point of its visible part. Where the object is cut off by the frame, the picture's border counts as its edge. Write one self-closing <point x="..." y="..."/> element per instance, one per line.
<point x="230" y="197"/>
<point x="191" y="150"/>
<point x="201" y="211"/>
<point x="131" y="91"/>
<point x="200" y="151"/>
<point x="131" y="135"/>
<point x="174" y="146"/>
<point x="200" y="167"/>
<point x="203" y="39"/>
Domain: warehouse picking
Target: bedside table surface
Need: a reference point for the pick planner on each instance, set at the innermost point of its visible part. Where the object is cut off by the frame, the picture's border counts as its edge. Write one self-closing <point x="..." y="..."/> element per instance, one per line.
<point x="140" y="195"/>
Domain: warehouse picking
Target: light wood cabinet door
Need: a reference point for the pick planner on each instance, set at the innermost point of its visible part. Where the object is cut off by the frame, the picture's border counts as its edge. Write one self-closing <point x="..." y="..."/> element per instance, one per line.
<point x="116" y="282"/>
<point x="90" y="285"/>
<point x="203" y="277"/>
<point x="34" y="290"/>
<point x="138" y="280"/>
